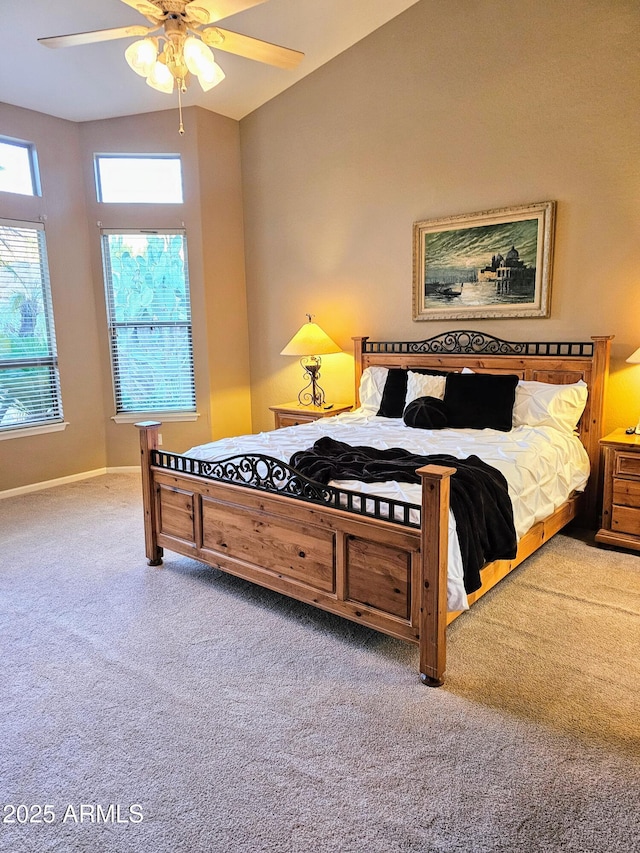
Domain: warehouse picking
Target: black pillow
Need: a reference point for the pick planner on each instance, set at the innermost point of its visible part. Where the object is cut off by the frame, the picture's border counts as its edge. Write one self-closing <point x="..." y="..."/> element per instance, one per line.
<point x="480" y="400"/>
<point x="426" y="413"/>
<point x="394" y="393"/>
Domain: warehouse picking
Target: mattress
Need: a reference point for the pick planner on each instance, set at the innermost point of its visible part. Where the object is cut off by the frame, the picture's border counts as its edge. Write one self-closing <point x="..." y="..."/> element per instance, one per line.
<point x="542" y="465"/>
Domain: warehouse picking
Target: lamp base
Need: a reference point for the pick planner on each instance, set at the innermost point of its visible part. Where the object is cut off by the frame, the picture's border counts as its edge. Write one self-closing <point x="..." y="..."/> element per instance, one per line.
<point x="312" y="394"/>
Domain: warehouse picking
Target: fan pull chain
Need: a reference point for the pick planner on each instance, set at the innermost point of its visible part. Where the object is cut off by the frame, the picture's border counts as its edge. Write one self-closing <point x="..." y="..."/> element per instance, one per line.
<point x="181" y="127"/>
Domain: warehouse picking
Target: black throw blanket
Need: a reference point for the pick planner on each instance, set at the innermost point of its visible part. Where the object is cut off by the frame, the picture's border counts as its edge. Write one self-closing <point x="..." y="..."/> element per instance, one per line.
<point x="480" y="501"/>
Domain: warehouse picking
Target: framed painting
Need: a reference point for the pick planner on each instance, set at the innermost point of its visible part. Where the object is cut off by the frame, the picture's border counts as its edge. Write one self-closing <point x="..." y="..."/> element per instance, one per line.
<point x="484" y="265"/>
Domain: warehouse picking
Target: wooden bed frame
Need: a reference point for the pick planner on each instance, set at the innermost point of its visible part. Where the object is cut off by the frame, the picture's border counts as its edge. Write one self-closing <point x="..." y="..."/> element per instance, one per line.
<point x="257" y="518"/>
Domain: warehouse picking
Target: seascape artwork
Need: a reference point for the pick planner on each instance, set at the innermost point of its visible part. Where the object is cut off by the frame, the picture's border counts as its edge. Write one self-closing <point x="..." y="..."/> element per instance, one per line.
<point x="481" y="266"/>
<point x="493" y="264"/>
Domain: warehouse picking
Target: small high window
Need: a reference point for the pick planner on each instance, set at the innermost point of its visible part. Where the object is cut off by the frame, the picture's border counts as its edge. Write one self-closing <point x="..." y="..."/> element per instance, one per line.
<point x="18" y="170"/>
<point x="142" y="179"/>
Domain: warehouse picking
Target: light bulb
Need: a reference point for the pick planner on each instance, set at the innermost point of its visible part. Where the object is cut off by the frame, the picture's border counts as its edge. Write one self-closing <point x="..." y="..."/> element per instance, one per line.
<point x="161" y="78"/>
<point x="141" y="56"/>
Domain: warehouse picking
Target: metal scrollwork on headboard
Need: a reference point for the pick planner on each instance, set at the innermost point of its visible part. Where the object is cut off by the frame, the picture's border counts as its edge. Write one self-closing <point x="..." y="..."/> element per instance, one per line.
<point x="478" y="343"/>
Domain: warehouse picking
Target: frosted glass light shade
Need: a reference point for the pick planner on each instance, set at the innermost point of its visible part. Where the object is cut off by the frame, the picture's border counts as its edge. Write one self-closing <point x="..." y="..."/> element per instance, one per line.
<point x="209" y="80"/>
<point x="141" y="56"/>
<point x="634" y="358"/>
<point x="198" y="57"/>
<point x="310" y="340"/>
<point x="201" y="62"/>
<point x="161" y="78"/>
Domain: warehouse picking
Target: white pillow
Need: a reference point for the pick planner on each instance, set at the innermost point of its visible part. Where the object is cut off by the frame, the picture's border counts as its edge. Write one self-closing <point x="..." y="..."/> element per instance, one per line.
<point x="544" y="404"/>
<point x="371" y="387"/>
<point x="424" y="385"/>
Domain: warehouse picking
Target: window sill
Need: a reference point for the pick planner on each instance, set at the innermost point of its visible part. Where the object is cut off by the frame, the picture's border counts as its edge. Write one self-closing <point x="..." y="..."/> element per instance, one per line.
<point x="164" y="417"/>
<point x="23" y="432"/>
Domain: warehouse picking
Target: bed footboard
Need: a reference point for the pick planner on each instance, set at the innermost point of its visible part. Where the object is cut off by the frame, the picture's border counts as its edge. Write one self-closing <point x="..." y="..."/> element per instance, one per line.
<point x="381" y="574"/>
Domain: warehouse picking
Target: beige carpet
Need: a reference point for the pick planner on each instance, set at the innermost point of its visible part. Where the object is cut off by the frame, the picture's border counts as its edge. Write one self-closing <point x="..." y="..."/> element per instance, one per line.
<point x="241" y="721"/>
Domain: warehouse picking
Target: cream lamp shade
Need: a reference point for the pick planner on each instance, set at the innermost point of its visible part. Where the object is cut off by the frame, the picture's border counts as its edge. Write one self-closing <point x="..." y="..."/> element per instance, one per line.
<point x="310" y="340"/>
<point x="309" y="343"/>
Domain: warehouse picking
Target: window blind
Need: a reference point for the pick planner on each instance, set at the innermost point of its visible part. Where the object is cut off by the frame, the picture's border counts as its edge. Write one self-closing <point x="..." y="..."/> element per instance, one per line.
<point x="29" y="379"/>
<point x="149" y="316"/>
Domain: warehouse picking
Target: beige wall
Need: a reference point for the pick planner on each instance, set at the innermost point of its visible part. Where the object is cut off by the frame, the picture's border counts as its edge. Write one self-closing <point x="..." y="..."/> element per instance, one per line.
<point x="81" y="447"/>
<point x="212" y="216"/>
<point x="451" y="108"/>
<point x="221" y="215"/>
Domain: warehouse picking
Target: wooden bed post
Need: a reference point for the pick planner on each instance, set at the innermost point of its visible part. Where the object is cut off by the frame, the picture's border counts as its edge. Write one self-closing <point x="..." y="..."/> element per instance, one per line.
<point x="358" y="346"/>
<point x="148" y="442"/>
<point x="599" y="373"/>
<point x="434" y="556"/>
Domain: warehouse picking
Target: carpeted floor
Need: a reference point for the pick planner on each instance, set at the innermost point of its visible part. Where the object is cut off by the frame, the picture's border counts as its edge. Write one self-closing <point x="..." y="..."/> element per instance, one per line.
<point x="221" y="717"/>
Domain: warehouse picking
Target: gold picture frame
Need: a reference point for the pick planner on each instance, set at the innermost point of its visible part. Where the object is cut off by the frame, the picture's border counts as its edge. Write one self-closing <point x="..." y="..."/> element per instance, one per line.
<point x="503" y="257"/>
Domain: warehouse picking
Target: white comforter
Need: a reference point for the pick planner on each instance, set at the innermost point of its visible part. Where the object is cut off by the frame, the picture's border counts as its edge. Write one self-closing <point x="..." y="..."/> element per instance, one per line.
<point x="542" y="465"/>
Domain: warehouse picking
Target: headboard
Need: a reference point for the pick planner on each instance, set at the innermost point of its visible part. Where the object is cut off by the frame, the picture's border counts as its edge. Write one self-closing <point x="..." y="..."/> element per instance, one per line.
<point x="555" y="362"/>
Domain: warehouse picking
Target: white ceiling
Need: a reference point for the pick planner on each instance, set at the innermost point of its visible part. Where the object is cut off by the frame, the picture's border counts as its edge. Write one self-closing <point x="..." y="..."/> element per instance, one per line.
<point x="94" y="81"/>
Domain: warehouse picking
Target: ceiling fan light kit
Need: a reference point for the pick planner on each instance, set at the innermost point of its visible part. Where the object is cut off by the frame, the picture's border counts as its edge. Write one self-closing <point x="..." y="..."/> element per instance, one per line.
<point x="176" y="46"/>
<point x="174" y="62"/>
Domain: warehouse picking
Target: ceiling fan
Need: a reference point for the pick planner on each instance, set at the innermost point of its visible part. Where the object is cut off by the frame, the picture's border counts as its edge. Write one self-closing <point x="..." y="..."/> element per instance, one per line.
<point x="177" y="44"/>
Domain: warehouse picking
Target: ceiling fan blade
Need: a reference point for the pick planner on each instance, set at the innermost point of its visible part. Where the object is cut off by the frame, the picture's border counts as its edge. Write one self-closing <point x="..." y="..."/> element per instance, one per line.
<point x="261" y="51"/>
<point x="210" y="11"/>
<point x="146" y="8"/>
<point x="96" y="35"/>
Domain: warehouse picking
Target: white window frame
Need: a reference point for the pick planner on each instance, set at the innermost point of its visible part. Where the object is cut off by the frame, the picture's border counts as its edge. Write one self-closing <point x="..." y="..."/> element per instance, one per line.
<point x="123" y="415"/>
<point x="30" y="148"/>
<point x="101" y="190"/>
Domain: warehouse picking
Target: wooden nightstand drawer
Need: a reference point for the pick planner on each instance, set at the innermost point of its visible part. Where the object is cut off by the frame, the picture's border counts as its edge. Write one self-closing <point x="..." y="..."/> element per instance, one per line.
<point x="291" y="420"/>
<point x="626" y="492"/>
<point x="625" y="520"/>
<point x="627" y="465"/>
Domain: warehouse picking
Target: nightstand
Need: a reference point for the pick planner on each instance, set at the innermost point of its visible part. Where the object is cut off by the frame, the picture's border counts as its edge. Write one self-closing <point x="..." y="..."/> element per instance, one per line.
<point x="621" y="497"/>
<point x="292" y="414"/>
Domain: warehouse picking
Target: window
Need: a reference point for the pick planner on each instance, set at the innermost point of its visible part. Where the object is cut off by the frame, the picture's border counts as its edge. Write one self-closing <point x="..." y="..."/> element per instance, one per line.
<point x="29" y="381"/>
<point x="149" y="315"/>
<point x="125" y="179"/>
<point x="18" y="173"/>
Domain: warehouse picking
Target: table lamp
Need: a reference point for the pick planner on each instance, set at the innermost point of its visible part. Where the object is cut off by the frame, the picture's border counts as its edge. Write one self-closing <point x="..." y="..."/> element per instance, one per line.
<point x="310" y="342"/>
<point x="634" y="358"/>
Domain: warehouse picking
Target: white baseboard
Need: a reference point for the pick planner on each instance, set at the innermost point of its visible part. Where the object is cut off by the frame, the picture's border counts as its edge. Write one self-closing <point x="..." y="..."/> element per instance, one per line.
<point x="60" y="481"/>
